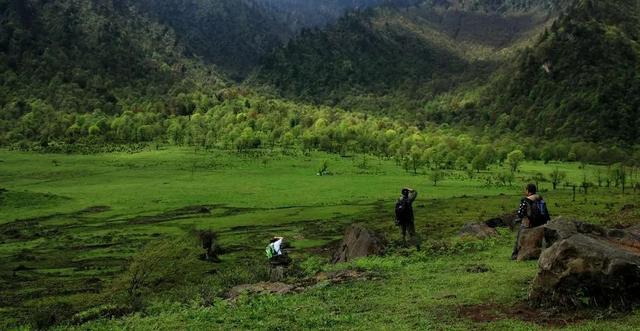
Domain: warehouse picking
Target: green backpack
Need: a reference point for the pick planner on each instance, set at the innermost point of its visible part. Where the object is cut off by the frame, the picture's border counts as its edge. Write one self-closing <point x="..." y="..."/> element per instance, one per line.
<point x="270" y="251"/>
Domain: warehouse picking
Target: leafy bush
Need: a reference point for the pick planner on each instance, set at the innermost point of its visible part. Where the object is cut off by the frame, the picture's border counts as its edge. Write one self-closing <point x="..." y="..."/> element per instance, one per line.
<point x="160" y="265"/>
<point x="52" y="314"/>
<point x="102" y="311"/>
<point x="312" y="265"/>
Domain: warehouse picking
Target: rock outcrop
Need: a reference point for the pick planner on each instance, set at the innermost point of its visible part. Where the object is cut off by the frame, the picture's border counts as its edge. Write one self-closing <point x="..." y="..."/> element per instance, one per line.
<point x="478" y="230"/>
<point x="504" y="221"/>
<point x="588" y="264"/>
<point x="358" y="241"/>
<point x="531" y="243"/>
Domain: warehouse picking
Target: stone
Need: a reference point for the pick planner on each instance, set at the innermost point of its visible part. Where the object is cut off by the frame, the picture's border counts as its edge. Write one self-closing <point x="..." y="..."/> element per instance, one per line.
<point x="478" y="230"/>
<point x="586" y="264"/>
<point x="530" y="244"/>
<point x="358" y="241"/>
<point x="506" y="220"/>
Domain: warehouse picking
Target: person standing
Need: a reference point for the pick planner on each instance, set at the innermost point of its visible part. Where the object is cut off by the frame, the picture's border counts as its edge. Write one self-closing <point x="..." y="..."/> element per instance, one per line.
<point x="404" y="215"/>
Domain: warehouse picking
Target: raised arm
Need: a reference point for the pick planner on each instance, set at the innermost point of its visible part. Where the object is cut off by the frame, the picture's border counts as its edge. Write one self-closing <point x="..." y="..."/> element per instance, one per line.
<point x="413" y="194"/>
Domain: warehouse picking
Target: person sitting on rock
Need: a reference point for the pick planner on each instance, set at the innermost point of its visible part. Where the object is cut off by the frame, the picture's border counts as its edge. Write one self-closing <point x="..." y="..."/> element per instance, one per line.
<point x="531" y="213"/>
<point x="404" y="215"/>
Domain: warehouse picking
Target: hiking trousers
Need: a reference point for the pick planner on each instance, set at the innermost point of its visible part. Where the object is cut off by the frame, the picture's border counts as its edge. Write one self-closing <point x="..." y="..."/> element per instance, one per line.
<point x="407" y="227"/>
<point x="411" y="229"/>
<point x="514" y="254"/>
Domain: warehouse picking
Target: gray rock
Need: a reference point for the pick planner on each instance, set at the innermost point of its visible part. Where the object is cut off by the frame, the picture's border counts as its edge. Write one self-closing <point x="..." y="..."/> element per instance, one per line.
<point x="506" y="220"/>
<point x="587" y="264"/>
<point x="358" y="241"/>
<point x="531" y="243"/>
<point x="481" y="231"/>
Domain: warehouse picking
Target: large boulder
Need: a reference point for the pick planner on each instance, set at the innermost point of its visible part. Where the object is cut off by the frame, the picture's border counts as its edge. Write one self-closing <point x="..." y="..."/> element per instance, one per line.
<point x="478" y="230"/>
<point x="588" y="264"/>
<point x="358" y="241"/>
<point x="531" y="243"/>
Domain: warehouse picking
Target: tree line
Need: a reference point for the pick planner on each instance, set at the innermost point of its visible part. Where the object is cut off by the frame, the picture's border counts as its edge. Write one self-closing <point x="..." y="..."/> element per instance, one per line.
<point x="239" y="120"/>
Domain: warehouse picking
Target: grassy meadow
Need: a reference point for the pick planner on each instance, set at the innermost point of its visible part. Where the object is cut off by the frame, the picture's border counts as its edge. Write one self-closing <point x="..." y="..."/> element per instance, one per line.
<point x="70" y="226"/>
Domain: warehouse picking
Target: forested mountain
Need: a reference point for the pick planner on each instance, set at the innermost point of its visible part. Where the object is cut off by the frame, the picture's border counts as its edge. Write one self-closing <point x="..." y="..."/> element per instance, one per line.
<point x="498" y="64"/>
<point x="580" y="79"/>
<point x="418" y="50"/>
<point x="231" y="34"/>
<point x="572" y="65"/>
<point x="82" y="56"/>
<point x="308" y="13"/>
<point x="234" y="34"/>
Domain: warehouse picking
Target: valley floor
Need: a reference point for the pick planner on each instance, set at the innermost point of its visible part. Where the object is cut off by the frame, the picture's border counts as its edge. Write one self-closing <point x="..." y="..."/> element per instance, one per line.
<point x="70" y="225"/>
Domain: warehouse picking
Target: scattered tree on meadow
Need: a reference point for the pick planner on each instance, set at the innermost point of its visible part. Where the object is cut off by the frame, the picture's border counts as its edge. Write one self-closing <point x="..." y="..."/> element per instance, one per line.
<point x="514" y="159"/>
<point x="538" y="179"/>
<point x="436" y="176"/>
<point x="416" y="158"/>
<point x="557" y="177"/>
<point x="620" y="176"/>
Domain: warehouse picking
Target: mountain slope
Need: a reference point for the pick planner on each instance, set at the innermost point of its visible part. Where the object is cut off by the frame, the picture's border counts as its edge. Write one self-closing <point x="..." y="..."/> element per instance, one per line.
<point x="232" y="34"/>
<point x="418" y="50"/>
<point x="581" y="78"/>
<point x="308" y="13"/>
<point x="81" y="56"/>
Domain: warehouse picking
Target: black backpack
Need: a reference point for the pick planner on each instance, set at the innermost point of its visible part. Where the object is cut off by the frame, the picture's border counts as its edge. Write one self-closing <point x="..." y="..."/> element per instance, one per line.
<point x="402" y="211"/>
<point x="537" y="212"/>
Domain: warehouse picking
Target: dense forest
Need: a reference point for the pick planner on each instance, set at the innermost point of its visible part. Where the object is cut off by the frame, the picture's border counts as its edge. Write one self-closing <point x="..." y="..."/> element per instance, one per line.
<point x="582" y="76"/>
<point x="82" y="73"/>
<point x="417" y="51"/>
<point x="316" y="13"/>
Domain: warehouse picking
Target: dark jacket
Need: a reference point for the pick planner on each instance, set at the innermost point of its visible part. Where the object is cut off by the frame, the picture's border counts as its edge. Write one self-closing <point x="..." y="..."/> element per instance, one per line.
<point x="407" y="201"/>
<point x="525" y="204"/>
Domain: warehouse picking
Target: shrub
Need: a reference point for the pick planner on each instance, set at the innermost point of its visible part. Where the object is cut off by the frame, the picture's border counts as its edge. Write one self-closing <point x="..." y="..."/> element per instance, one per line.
<point x="50" y="315"/>
<point x="160" y="265"/>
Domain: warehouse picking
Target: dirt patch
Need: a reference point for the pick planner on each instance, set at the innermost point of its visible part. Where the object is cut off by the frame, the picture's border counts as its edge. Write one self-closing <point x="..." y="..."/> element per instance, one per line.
<point x="322" y="278"/>
<point x="628" y="208"/>
<point x="261" y="288"/>
<point x="491" y="312"/>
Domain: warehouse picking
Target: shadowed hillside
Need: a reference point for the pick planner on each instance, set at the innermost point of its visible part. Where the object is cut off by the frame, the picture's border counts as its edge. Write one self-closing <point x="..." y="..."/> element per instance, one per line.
<point x="421" y="49"/>
<point x="578" y="79"/>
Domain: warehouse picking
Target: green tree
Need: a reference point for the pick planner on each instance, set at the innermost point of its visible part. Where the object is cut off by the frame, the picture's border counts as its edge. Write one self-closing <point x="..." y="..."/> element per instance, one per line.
<point x="479" y="163"/>
<point x="539" y="178"/>
<point x="417" y="160"/>
<point x="514" y="159"/>
<point x="557" y="177"/>
<point x="436" y="176"/>
<point x="461" y="163"/>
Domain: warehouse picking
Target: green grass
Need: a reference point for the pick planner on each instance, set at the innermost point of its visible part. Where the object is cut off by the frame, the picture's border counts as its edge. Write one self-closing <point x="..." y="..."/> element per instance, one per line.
<point x="415" y="292"/>
<point x="71" y="219"/>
